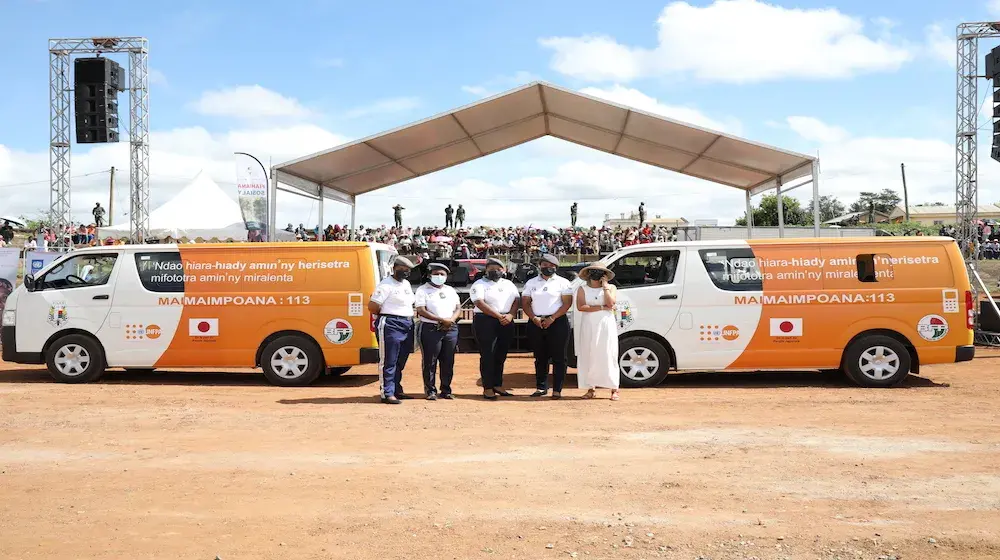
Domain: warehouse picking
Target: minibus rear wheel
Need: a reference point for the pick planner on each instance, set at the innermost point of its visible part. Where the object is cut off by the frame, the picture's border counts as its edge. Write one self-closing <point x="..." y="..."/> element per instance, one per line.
<point x="643" y="362"/>
<point x="75" y="358"/>
<point x="877" y="360"/>
<point x="292" y="361"/>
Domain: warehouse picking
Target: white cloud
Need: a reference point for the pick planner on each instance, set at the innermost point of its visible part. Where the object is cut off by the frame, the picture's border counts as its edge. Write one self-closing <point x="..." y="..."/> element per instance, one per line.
<point x="993" y="7"/>
<point x="176" y="156"/>
<point x="737" y="41"/>
<point x="814" y="129"/>
<point x="383" y="106"/>
<point x="850" y="165"/>
<point x="941" y="46"/>
<point x="635" y="98"/>
<point x="248" y="102"/>
<point x="498" y="84"/>
<point x="156" y="77"/>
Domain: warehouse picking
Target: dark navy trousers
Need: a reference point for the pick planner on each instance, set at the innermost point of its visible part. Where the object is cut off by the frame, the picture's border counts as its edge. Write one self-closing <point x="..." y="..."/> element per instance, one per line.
<point x="395" y="344"/>
<point x="494" y="341"/>
<point x="438" y="347"/>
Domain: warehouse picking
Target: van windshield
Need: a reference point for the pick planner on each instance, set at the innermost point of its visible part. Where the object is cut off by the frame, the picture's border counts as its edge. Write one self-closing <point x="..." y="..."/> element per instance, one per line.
<point x="385" y="259"/>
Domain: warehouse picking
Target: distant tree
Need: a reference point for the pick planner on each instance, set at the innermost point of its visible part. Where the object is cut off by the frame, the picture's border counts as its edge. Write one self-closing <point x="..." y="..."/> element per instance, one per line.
<point x="829" y="208"/>
<point x="884" y="202"/>
<point x="767" y="213"/>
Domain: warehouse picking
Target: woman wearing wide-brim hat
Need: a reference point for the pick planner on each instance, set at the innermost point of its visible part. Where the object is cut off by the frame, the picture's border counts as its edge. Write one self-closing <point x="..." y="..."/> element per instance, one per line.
<point x="595" y="332"/>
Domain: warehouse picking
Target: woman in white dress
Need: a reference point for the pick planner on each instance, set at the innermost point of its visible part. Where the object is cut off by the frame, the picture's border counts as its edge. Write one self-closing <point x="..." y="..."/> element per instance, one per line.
<point x="596" y="333"/>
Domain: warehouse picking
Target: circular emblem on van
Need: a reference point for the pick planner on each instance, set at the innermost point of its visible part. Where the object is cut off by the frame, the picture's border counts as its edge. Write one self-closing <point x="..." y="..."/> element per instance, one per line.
<point x="338" y="331"/>
<point x="730" y="332"/>
<point x="153" y="332"/>
<point x="932" y="327"/>
<point x="623" y="314"/>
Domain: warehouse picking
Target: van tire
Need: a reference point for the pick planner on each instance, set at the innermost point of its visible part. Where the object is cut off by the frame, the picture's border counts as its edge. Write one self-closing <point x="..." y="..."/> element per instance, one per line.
<point x="296" y="373"/>
<point x="82" y="350"/>
<point x="643" y="348"/>
<point x="861" y="366"/>
<point x="337" y="371"/>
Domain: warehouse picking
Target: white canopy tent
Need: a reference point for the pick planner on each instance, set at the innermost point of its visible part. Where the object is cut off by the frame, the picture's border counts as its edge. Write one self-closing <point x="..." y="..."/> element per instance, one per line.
<point x="201" y="209"/>
<point x="530" y="112"/>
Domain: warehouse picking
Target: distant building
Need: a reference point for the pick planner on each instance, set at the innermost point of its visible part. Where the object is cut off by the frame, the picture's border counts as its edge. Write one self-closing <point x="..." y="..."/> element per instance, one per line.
<point x="632" y="220"/>
<point x="945" y="215"/>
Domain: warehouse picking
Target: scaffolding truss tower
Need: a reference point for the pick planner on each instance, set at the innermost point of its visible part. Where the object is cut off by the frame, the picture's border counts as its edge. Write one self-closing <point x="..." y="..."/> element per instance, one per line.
<point x="60" y="113"/>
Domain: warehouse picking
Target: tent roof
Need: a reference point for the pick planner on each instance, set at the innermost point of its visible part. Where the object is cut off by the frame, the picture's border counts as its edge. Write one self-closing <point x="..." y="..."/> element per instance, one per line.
<point x="527" y="113"/>
<point x="201" y="205"/>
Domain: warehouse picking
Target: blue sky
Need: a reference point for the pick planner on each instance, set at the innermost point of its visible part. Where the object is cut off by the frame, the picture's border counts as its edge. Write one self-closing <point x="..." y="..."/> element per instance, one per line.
<point x="866" y="85"/>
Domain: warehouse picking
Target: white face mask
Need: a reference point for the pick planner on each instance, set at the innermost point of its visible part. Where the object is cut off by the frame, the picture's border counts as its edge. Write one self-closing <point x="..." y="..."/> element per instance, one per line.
<point x="438" y="279"/>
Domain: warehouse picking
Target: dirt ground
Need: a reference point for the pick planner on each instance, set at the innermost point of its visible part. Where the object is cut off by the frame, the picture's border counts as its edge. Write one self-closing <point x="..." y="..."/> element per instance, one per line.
<point x="779" y="465"/>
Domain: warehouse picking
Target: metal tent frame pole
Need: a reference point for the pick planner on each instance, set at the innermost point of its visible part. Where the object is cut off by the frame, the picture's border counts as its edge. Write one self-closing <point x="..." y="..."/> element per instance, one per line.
<point x="749" y="217"/>
<point x="60" y="102"/>
<point x="781" y="208"/>
<point x="815" y="187"/>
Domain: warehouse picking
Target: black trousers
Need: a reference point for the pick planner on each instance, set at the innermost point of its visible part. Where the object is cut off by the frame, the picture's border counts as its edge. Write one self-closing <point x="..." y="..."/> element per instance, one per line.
<point x="494" y="341"/>
<point x="449" y="222"/>
<point x="438" y="347"/>
<point x="549" y="346"/>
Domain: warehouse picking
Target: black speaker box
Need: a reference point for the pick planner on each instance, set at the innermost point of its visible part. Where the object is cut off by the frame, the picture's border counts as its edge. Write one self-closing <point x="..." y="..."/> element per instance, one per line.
<point x="99" y="70"/>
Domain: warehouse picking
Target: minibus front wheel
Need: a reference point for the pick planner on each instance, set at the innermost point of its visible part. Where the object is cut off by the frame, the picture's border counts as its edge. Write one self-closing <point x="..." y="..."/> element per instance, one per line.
<point x="643" y="362"/>
<point x="75" y="358"/>
<point x="292" y="361"/>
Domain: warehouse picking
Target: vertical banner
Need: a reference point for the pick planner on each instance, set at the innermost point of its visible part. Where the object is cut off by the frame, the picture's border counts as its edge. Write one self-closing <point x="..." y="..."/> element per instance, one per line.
<point x="34" y="261"/>
<point x="10" y="264"/>
<point x="252" y="190"/>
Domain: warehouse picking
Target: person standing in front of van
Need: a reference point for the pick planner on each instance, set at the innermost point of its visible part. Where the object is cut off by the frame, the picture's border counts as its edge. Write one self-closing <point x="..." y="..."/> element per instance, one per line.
<point x="545" y="300"/>
<point x="438" y="307"/>
<point x="495" y="299"/>
<point x="392" y="303"/>
<point x="596" y="333"/>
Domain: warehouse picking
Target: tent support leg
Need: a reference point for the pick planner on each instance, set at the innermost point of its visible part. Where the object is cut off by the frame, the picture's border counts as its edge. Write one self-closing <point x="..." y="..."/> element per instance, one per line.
<point x="320" y="203"/>
<point x="815" y="185"/>
<point x="272" y="207"/>
<point x="749" y="217"/>
<point x="781" y="210"/>
<point x="354" y="207"/>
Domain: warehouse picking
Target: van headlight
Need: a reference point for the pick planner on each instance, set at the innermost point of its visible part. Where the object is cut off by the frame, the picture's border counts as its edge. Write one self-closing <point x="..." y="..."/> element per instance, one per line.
<point x="9" y="317"/>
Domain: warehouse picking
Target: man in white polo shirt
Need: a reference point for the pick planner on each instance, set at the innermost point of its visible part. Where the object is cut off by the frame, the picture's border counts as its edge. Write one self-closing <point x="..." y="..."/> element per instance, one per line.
<point x="546" y="299"/>
<point x="438" y="307"/>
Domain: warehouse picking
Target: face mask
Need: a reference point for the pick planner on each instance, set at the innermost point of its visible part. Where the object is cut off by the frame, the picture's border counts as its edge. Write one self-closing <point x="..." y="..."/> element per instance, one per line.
<point x="438" y="279"/>
<point x="548" y="271"/>
<point x="401" y="274"/>
<point x="493" y="275"/>
<point x="596" y="275"/>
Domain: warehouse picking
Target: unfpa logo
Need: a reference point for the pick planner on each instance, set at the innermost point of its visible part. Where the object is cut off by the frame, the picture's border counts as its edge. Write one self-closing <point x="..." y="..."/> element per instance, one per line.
<point x="730" y="332"/>
<point x="142" y="332"/>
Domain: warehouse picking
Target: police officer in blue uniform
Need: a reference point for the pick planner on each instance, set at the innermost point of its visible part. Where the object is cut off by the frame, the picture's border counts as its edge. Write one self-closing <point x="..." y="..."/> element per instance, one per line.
<point x="392" y="303"/>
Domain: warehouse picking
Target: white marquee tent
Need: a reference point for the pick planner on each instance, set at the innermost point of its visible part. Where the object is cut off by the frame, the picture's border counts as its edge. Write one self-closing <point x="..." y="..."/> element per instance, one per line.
<point x="202" y="209"/>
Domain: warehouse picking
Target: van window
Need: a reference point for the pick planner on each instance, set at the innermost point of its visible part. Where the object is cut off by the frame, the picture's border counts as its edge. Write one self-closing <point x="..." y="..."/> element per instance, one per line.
<point x="80" y="271"/>
<point x="733" y="269"/>
<point x="874" y="268"/>
<point x="161" y="272"/>
<point x="645" y="269"/>
<point x="385" y="259"/>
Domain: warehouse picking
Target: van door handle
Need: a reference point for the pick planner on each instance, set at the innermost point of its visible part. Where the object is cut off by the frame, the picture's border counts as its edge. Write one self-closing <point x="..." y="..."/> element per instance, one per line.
<point x="102" y="296"/>
<point x="669" y="296"/>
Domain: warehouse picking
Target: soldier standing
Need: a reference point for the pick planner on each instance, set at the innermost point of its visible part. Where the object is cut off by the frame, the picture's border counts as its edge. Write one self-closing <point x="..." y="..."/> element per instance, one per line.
<point x="449" y="220"/>
<point x="642" y="214"/>
<point x="572" y="215"/>
<point x="397" y="214"/>
<point x="460" y="216"/>
<point x="98" y="213"/>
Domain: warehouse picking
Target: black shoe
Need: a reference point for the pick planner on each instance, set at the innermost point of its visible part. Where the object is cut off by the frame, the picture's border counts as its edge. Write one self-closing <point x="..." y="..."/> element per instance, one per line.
<point x="448" y="396"/>
<point x="556" y="396"/>
<point x="540" y="393"/>
<point x="432" y="397"/>
<point x="391" y="400"/>
<point x="403" y="397"/>
<point x="503" y="393"/>
<point x="490" y="397"/>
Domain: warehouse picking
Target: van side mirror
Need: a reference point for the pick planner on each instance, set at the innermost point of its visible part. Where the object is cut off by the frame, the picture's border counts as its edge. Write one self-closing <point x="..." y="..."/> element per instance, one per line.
<point x="29" y="283"/>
